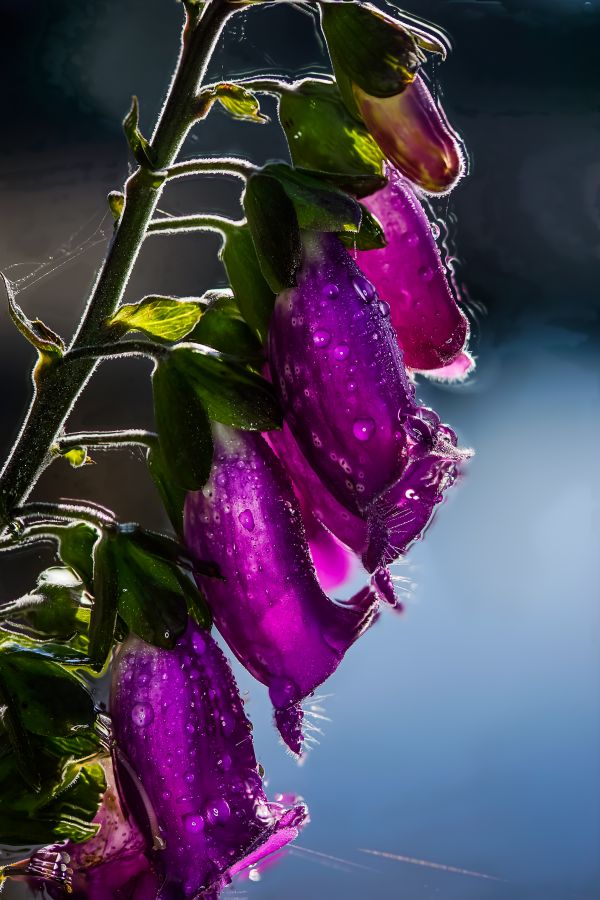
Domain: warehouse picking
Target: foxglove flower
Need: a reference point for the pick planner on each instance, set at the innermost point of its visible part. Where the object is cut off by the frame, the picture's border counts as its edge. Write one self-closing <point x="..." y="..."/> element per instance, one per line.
<point x="338" y="370"/>
<point x="409" y="274"/>
<point x="112" y="864"/>
<point x="415" y="135"/>
<point x="270" y="607"/>
<point x="186" y="766"/>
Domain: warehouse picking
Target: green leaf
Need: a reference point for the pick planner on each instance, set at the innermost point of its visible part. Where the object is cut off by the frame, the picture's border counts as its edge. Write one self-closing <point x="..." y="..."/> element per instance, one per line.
<point x="50" y="611"/>
<point x="370" y="234"/>
<point x="46" y="698"/>
<point x="116" y="204"/>
<point x="172" y="495"/>
<point x="77" y="550"/>
<point x="252" y="292"/>
<point x="231" y="392"/>
<point x="183" y="426"/>
<point x="77" y="457"/>
<point x="137" y="142"/>
<point x="162" y="317"/>
<point x="239" y="102"/>
<point x="223" y="328"/>
<point x="106" y="599"/>
<point x="66" y="799"/>
<point x="370" y="48"/>
<point x="275" y="230"/>
<point x="319" y="206"/>
<point x="323" y="136"/>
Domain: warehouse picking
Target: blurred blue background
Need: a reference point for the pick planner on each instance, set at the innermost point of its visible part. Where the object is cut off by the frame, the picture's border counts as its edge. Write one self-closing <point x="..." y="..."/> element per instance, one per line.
<point x="466" y="732"/>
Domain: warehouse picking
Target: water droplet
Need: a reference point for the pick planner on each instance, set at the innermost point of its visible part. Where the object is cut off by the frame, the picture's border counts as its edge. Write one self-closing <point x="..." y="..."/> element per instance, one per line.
<point x="169" y="760"/>
<point x="351" y="386"/>
<point x="224" y="763"/>
<point x="411" y="239"/>
<point x="321" y="338"/>
<point x="246" y="520"/>
<point x="189" y="776"/>
<point x="331" y="291"/>
<point x="218" y="812"/>
<point x="363" y="428"/>
<point x="167" y="634"/>
<point x="364" y="288"/>
<point x="193" y="823"/>
<point x="341" y="352"/>
<point x="384" y="308"/>
<point x="254" y="875"/>
<point x="166" y="795"/>
<point x="426" y="273"/>
<point x="142" y="714"/>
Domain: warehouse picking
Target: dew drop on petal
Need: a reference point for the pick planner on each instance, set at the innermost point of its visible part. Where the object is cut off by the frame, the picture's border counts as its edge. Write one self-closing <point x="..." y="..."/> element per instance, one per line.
<point x="218" y="812"/>
<point x="246" y="520"/>
<point x="384" y="308"/>
<point x="364" y="289"/>
<point x="331" y="291"/>
<point x="411" y="238"/>
<point x="142" y="714"/>
<point x="351" y="386"/>
<point x="341" y="352"/>
<point x="321" y="338"/>
<point x="193" y="823"/>
<point x="363" y="428"/>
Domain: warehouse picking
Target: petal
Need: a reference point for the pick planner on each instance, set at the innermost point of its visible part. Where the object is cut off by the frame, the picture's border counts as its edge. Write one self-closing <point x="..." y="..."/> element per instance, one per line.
<point x="415" y="135"/>
<point x="270" y="607"/>
<point x="337" y="369"/>
<point x="186" y="764"/>
<point x="409" y="274"/>
<point x="333" y="562"/>
<point x="458" y="370"/>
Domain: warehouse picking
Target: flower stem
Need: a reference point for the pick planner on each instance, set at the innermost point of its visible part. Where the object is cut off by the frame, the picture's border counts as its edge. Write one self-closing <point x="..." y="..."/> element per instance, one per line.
<point x="241" y="168"/>
<point x="173" y="224"/>
<point x="108" y="440"/>
<point x="60" y="386"/>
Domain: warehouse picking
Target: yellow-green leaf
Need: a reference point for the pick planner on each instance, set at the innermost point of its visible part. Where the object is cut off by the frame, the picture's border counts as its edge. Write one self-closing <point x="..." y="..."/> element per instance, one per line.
<point x="163" y="317"/>
<point x="240" y="103"/>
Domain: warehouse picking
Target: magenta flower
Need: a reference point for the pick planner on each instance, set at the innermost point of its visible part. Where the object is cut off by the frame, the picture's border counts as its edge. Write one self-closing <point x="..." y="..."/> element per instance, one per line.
<point x="270" y="607"/>
<point x="112" y="864"/>
<point x="338" y="371"/>
<point x="415" y="135"/>
<point x="186" y="766"/>
<point x="409" y="274"/>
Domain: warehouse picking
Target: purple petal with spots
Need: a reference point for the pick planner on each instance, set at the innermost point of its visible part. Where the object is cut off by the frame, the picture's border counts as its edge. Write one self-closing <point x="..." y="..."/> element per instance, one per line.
<point x="415" y="135"/>
<point x="409" y="274"/>
<point x="186" y="766"/>
<point x="270" y="608"/>
<point x="338" y="372"/>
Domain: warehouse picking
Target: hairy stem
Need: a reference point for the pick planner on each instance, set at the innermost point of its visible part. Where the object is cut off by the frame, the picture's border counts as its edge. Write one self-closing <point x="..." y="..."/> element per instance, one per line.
<point x="108" y="440"/>
<point x="61" y="385"/>
<point x="241" y="168"/>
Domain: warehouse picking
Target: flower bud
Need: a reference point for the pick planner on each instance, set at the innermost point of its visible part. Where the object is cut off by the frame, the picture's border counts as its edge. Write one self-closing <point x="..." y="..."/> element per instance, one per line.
<point x="413" y="132"/>
<point x="186" y="766"/>
<point x="270" y="607"/>
<point x="409" y="274"/>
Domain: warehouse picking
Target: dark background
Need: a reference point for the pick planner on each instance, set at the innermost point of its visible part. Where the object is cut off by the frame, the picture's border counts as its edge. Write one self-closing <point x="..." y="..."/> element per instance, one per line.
<point x="466" y="733"/>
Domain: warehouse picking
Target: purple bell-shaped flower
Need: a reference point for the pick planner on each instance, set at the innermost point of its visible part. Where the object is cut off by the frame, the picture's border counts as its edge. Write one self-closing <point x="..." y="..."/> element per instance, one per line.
<point x="186" y="766"/>
<point x="269" y="607"/>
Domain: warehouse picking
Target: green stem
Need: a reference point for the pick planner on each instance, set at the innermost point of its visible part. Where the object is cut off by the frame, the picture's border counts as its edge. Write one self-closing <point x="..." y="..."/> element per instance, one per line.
<point x="124" y="348"/>
<point x="173" y="224"/>
<point x="108" y="440"/>
<point x="60" y="386"/>
<point x="241" y="168"/>
<point x="70" y="511"/>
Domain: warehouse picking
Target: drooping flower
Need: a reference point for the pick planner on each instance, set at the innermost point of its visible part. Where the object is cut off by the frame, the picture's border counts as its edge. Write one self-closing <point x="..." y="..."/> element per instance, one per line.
<point x="112" y="864"/>
<point x="186" y="766"/>
<point x="415" y="135"/>
<point x="409" y="274"/>
<point x="270" y="607"/>
<point x="337" y="367"/>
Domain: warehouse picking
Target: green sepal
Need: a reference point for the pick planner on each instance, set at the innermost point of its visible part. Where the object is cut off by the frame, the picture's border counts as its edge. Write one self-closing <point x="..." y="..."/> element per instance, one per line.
<point x="172" y="495"/>
<point x="370" y="235"/>
<point x="167" y="318"/>
<point x="76" y="550"/>
<point x="319" y="206"/>
<point x="370" y="48"/>
<point x="137" y="142"/>
<point x="323" y="136"/>
<point x="183" y="426"/>
<point x="106" y="600"/>
<point x="252" y="292"/>
<point x="275" y="230"/>
<point x="223" y="328"/>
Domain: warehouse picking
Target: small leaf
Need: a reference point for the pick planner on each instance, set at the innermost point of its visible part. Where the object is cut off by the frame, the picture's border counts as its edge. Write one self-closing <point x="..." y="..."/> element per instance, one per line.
<point x="240" y="102"/>
<point x="116" y="204"/>
<point x="323" y="136"/>
<point x="275" y="231"/>
<point x="223" y="328"/>
<point x="137" y="142"/>
<point x="183" y="427"/>
<point x="46" y="698"/>
<point x="77" y="457"/>
<point x="50" y="611"/>
<point x="230" y="391"/>
<point x="77" y="550"/>
<point x="50" y="346"/>
<point x="162" y="317"/>
<point x="252" y="292"/>
<point x="370" y="48"/>
<point x="319" y="206"/>
<point x="370" y="235"/>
